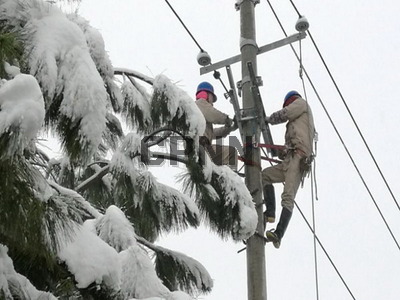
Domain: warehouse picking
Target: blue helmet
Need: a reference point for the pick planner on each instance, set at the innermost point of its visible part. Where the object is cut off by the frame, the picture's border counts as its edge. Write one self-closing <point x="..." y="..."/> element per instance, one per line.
<point x="290" y="94"/>
<point x="206" y="86"/>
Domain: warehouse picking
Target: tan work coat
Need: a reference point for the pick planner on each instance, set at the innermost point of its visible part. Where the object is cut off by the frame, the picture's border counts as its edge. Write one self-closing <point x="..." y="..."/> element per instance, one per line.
<point x="299" y="138"/>
<point x="300" y="129"/>
<point x="213" y="116"/>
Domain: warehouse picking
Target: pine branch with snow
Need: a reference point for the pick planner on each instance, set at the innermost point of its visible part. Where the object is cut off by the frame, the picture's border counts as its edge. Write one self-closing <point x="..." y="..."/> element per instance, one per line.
<point x="21" y="112"/>
<point x="10" y="50"/>
<point x="174" y="108"/>
<point x="136" y="105"/>
<point x="139" y="193"/>
<point x="14" y="285"/>
<point x="223" y="199"/>
<point x="59" y="57"/>
<point x="79" y="251"/>
<point x="178" y="271"/>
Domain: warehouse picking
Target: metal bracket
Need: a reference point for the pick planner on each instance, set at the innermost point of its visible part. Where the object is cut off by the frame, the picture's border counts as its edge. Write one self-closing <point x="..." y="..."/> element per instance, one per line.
<point x="246" y="79"/>
<point x="234" y="59"/>
<point x="245" y="42"/>
<point x="241" y="83"/>
<point x="239" y="3"/>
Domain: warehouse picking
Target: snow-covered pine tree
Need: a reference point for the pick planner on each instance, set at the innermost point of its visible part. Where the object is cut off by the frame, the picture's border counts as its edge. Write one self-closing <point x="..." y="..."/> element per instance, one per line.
<point x="84" y="225"/>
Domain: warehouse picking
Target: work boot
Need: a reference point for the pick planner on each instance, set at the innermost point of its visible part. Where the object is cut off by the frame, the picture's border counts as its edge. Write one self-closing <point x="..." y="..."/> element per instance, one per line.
<point x="275" y="236"/>
<point x="269" y="200"/>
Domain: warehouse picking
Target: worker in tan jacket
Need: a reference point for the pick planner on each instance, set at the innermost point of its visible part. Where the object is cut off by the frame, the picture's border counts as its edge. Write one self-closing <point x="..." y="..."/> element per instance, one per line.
<point x="296" y="157"/>
<point x="219" y="154"/>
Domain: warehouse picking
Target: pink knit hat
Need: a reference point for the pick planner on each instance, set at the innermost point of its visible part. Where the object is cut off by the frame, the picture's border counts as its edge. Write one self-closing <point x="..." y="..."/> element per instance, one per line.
<point x="202" y="95"/>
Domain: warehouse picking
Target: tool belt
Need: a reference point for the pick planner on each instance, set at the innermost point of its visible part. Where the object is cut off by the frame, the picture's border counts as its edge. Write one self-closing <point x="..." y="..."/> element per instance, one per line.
<point x="305" y="164"/>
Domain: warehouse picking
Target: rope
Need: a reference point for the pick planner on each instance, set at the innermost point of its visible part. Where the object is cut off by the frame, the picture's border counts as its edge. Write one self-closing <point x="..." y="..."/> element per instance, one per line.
<point x="312" y="180"/>
<point x="249" y="162"/>
<point x="315" y="237"/>
<point x="340" y="138"/>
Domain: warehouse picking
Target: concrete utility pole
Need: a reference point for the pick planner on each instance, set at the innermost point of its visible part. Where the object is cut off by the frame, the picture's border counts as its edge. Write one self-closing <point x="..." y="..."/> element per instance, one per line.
<point x="256" y="274"/>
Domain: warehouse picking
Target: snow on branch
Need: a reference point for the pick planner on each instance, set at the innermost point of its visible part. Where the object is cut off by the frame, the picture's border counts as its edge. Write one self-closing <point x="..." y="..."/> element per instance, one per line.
<point x="90" y="259"/>
<point x="173" y="210"/>
<point x="59" y="57"/>
<point x="115" y="229"/>
<point x="178" y="270"/>
<point x="173" y="107"/>
<point x="100" y="57"/>
<point x="21" y="113"/>
<point x="14" y="285"/>
<point x="136" y="105"/>
<point x="223" y="199"/>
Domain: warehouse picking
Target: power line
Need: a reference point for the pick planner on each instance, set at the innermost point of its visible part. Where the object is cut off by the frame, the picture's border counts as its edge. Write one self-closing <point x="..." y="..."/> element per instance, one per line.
<point x="184" y="26"/>
<point x="351" y="115"/>
<point x="326" y="253"/>
<point x="216" y="73"/>
<point x="338" y="134"/>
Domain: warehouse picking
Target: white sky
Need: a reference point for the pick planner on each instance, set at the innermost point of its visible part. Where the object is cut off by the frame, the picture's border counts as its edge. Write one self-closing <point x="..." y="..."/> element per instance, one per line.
<point x="360" y="43"/>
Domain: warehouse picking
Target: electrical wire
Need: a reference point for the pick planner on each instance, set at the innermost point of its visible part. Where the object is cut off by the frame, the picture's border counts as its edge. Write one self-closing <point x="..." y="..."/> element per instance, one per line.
<point x="184" y="26"/>
<point x="349" y="112"/>
<point x="326" y="253"/>
<point x="216" y="73"/>
<point x="338" y="134"/>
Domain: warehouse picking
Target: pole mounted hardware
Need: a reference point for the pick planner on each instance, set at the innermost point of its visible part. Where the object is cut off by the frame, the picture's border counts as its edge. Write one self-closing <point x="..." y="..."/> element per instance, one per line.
<point x="234" y="59"/>
<point x="259" y="108"/>
<point x="302" y="24"/>
<point x="239" y="3"/>
<point x="203" y="58"/>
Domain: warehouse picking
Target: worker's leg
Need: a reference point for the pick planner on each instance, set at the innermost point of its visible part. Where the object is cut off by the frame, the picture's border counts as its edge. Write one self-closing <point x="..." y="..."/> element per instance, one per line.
<point x="292" y="171"/>
<point x="271" y="175"/>
<point x="292" y="180"/>
<point x="270" y="203"/>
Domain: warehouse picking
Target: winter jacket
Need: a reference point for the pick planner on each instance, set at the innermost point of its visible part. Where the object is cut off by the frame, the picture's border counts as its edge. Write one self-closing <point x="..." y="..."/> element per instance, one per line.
<point x="213" y="116"/>
<point x="300" y="129"/>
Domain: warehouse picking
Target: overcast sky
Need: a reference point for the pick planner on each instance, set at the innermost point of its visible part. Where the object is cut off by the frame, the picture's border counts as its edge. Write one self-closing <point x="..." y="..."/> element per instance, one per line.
<point x="360" y="43"/>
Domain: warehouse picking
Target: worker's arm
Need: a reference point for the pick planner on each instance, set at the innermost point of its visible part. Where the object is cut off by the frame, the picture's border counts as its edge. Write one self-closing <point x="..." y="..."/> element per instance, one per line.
<point x="288" y="113"/>
<point x="222" y="131"/>
<point x="211" y="114"/>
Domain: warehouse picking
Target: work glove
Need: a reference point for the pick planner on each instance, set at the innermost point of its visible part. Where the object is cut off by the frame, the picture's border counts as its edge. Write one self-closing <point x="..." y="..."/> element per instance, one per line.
<point x="234" y="125"/>
<point x="228" y="122"/>
<point x="282" y="153"/>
